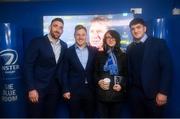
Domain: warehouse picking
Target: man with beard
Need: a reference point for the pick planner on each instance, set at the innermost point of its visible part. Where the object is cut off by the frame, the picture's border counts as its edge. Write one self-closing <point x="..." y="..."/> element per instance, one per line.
<point x="43" y="70"/>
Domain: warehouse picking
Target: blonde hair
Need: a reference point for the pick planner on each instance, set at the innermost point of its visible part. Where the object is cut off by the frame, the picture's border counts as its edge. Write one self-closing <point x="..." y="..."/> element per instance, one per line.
<point x="78" y="27"/>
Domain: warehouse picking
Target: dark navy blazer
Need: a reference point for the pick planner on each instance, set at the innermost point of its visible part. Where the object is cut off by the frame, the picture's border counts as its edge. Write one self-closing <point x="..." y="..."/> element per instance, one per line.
<point x="40" y="64"/>
<point x="156" y="72"/>
<point x="75" y="75"/>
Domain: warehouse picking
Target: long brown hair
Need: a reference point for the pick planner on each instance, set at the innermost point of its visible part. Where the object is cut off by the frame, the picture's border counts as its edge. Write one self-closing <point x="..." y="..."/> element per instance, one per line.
<point x="117" y="37"/>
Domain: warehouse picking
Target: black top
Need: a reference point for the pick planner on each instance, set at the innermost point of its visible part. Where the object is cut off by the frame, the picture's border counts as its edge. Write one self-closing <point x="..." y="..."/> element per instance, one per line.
<point x="110" y="95"/>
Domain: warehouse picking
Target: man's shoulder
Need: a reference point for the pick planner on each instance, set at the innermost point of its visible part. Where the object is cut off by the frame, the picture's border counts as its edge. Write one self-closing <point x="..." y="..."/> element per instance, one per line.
<point x="92" y="48"/>
<point x="70" y="49"/>
<point x="63" y="43"/>
<point x="156" y="41"/>
<point x="130" y="45"/>
<point x="36" y="41"/>
<point x="39" y="38"/>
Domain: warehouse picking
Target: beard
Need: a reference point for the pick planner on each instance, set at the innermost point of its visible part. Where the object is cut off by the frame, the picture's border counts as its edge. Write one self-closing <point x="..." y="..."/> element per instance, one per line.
<point x="55" y="35"/>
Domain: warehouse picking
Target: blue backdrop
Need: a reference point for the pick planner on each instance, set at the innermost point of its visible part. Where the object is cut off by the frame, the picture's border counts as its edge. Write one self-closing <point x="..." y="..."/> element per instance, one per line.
<point x="12" y="103"/>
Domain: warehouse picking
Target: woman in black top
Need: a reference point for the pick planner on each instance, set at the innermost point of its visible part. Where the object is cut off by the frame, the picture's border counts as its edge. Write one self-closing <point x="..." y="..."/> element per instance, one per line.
<point x="110" y="65"/>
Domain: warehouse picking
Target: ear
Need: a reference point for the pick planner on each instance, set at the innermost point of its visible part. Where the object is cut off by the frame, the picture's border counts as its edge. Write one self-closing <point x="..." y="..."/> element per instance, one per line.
<point x="74" y="34"/>
<point x="49" y="27"/>
<point x="62" y="31"/>
<point x="145" y="29"/>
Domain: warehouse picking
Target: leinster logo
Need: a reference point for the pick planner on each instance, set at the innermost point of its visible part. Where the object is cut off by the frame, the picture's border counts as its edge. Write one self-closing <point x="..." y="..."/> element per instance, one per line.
<point x="9" y="59"/>
<point x="9" y="56"/>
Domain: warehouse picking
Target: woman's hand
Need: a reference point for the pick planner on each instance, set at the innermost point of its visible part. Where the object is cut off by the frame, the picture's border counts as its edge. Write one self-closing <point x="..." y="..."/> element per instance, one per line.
<point x="117" y="87"/>
<point x="104" y="85"/>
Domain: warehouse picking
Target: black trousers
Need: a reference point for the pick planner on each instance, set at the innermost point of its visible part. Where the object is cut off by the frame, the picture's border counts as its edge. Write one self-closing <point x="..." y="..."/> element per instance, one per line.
<point x="47" y="104"/>
<point x="46" y="107"/>
<point x="141" y="107"/>
<point x="109" y="109"/>
<point x="82" y="105"/>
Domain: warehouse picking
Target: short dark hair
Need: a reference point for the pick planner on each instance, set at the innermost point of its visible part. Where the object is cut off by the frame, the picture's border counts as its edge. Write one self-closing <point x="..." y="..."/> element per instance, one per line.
<point x="78" y="27"/>
<point x="137" y="21"/>
<point x="57" y="19"/>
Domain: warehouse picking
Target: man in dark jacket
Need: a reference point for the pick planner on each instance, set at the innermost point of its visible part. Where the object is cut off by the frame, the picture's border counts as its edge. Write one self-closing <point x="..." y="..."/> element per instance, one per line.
<point x="43" y="71"/>
<point x="78" y="82"/>
<point x="150" y="72"/>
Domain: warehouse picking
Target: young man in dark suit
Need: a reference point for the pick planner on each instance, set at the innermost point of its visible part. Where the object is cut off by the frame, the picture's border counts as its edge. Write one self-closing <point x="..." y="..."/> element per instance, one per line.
<point x="43" y="70"/>
<point x="78" y="82"/>
<point x="150" y="72"/>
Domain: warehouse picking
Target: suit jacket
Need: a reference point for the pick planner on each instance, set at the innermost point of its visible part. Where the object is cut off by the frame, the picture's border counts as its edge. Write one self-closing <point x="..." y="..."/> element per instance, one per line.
<point x="40" y="65"/>
<point x="156" y="71"/>
<point x="74" y="73"/>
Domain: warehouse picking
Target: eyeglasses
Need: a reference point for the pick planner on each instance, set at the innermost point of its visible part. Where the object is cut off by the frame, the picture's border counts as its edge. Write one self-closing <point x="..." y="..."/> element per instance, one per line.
<point x="109" y="37"/>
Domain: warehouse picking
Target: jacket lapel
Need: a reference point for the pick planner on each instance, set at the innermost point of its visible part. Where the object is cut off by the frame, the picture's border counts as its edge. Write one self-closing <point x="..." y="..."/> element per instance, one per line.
<point x="147" y="49"/>
<point x="49" y="48"/>
<point x="89" y="57"/>
<point x="76" y="58"/>
<point x="62" y="52"/>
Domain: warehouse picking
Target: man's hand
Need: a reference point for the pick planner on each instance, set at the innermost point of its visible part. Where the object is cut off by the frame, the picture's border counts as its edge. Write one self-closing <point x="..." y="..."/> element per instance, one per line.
<point x="33" y="96"/>
<point x="161" y="99"/>
<point x="67" y="95"/>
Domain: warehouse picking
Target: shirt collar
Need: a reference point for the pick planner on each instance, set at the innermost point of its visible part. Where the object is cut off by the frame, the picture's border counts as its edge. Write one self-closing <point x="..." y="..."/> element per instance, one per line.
<point x="80" y="48"/>
<point x="143" y="39"/>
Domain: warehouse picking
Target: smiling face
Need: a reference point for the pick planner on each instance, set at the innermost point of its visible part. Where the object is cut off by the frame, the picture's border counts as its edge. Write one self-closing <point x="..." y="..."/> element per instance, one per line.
<point x="138" y="31"/>
<point x="110" y="41"/>
<point x="56" y="29"/>
<point x="80" y="37"/>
